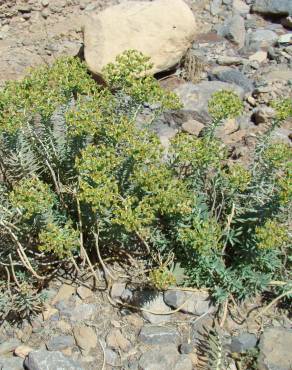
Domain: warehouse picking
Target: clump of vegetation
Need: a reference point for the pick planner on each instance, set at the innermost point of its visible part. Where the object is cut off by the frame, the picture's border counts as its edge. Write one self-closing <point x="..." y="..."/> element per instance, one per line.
<point x="76" y="171"/>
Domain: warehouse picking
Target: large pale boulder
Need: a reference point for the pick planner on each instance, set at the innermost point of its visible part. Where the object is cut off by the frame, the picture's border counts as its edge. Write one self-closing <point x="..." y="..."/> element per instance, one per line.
<point x="162" y="30"/>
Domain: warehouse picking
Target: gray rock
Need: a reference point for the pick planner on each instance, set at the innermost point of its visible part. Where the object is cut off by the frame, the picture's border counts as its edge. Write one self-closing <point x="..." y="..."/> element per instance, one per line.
<point x="261" y="38"/>
<point x="81" y="312"/>
<point x="60" y="342"/>
<point x="9" y="346"/>
<point x="282" y="135"/>
<point x="24" y="8"/>
<point x="231" y="75"/>
<point x="117" y="290"/>
<point x="132" y="365"/>
<point x="155" y="303"/>
<point x="195" y="98"/>
<point x="225" y="60"/>
<point x="11" y="363"/>
<point x="287" y="22"/>
<point x="127" y="295"/>
<point x="215" y="7"/>
<point x="45" y="360"/>
<point x="276" y="7"/>
<point x="234" y="30"/>
<point x="184" y="363"/>
<point x="186" y="348"/>
<point x="196" y="303"/>
<point x="243" y="342"/>
<point x="240" y="6"/>
<point x="263" y="114"/>
<point x="279" y="74"/>
<point x="111" y="357"/>
<point x="158" y="335"/>
<point x="164" y="132"/>
<point x="45" y="13"/>
<point x="164" y="358"/>
<point x="275" y="349"/>
<point x="285" y="39"/>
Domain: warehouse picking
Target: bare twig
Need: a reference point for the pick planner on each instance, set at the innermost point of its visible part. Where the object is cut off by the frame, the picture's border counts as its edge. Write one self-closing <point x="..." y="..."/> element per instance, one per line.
<point x="94" y="273"/>
<point x="225" y="310"/>
<point x="13" y="273"/>
<point x="21" y="252"/>
<point x="103" y="351"/>
<point x="105" y="269"/>
<point x="8" y="281"/>
<point x="80" y="228"/>
<point x="154" y="312"/>
<point x="274" y="301"/>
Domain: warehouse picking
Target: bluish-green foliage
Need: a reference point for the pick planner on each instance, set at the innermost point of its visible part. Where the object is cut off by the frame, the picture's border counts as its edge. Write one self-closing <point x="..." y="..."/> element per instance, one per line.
<point x="74" y="164"/>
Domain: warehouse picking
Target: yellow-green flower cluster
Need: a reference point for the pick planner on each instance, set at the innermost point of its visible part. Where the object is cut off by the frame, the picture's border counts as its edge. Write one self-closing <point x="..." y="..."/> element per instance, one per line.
<point x="225" y="104"/>
<point x="32" y="197"/>
<point x="283" y="109"/>
<point x="162" y="278"/>
<point x="204" y="236"/>
<point x="272" y="235"/>
<point x="130" y="73"/>
<point x="42" y="91"/>
<point x="59" y="240"/>
<point x="238" y="177"/>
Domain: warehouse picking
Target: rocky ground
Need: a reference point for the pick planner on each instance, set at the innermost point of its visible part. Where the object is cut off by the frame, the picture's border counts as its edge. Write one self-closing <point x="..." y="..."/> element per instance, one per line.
<point x="241" y="46"/>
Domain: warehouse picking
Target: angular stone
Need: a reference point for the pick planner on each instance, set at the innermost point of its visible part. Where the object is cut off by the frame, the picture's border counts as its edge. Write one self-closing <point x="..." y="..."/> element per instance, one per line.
<point x="60" y="342"/>
<point x="84" y="292"/>
<point x="285" y="39"/>
<point x="64" y="293"/>
<point x="229" y="61"/>
<point x="261" y="38"/>
<point x="156" y="29"/>
<point x="243" y="342"/>
<point x="276" y="7"/>
<point x="116" y="340"/>
<point x="9" y="346"/>
<point x="46" y="360"/>
<point x="234" y="30"/>
<point x="49" y="312"/>
<point x="186" y="348"/>
<point x="158" y="335"/>
<point x="184" y="363"/>
<point x="117" y="290"/>
<point x="135" y="320"/>
<point x="111" y="357"/>
<point x="156" y="304"/>
<point x="239" y="6"/>
<point x="263" y="114"/>
<point x="287" y="22"/>
<point x="164" y="358"/>
<point x="22" y="351"/>
<point x="85" y="337"/>
<point x="195" y="98"/>
<point x="275" y="349"/>
<point x="282" y="135"/>
<point x="259" y="56"/>
<point x="232" y="76"/>
<point x="81" y="312"/>
<point x="192" y="127"/>
<point x="64" y="326"/>
<point x="280" y="74"/>
<point x="215" y="7"/>
<point x="11" y="363"/>
<point x="196" y="303"/>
